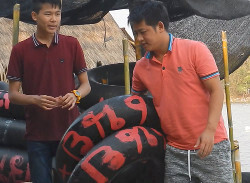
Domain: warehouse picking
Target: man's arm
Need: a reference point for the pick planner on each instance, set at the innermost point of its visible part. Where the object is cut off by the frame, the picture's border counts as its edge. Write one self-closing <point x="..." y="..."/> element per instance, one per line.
<point x="133" y="92"/>
<point x="84" y="87"/>
<point x="206" y="140"/>
<point x="43" y="101"/>
<point x="69" y="99"/>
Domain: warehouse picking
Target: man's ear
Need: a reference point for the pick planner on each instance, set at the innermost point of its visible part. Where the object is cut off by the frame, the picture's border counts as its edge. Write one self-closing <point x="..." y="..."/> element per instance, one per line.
<point x="34" y="16"/>
<point x="161" y="26"/>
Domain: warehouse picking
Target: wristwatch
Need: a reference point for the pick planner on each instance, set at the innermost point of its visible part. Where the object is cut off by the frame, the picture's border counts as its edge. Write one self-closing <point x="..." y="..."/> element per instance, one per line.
<point x="78" y="95"/>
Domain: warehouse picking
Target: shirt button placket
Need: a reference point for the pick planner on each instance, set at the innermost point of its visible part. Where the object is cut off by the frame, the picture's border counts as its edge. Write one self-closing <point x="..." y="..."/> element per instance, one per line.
<point x="163" y="70"/>
<point x="47" y="55"/>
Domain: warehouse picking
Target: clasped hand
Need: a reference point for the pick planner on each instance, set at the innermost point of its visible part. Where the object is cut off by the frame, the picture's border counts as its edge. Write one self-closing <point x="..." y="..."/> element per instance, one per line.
<point x="48" y="102"/>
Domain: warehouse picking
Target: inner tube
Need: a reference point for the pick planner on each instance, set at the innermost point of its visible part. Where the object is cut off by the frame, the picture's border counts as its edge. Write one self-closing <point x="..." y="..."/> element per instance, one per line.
<point x="106" y="82"/>
<point x="134" y="154"/>
<point x="245" y="177"/>
<point x="12" y="132"/>
<point x="100" y="121"/>
<point x="14" y="165"/>
<point x="4" y="86"/>
<point x="8" y="109"/>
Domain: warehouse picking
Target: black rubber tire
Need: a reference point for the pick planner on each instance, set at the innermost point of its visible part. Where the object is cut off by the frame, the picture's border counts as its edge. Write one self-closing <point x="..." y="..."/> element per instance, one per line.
<point x="4" y="86"/>
<point x="111" y="115"/>
<point x="8" y="109"/>
<point x="14" y="165"/>
<point x="245" y="177"/>
<point x="134" y="155"/>
<point x="114" y="75"/>
<point x="12" y="132"/>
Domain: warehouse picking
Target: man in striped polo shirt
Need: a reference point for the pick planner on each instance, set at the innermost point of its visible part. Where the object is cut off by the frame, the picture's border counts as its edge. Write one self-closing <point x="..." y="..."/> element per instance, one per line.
<point x="183" y="79"/>
<point x="44" y="65"/>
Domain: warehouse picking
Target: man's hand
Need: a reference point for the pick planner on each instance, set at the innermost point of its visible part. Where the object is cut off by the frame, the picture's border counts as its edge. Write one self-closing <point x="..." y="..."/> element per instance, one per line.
<point x="205" y="142"/>
<point x="68" y="101"/>
<point x="46" y="102"/>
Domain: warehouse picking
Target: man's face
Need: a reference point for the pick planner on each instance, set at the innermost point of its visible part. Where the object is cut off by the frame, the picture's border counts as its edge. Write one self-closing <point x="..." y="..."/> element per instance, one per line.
<point x="148" y="36"/>
<point x="48" y="18"/>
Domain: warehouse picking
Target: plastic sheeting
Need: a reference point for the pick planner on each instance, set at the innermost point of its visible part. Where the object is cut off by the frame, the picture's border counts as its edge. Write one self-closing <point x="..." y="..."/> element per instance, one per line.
<point x="209" y="32"/>
<point x="77" y="12"/>
<point x="231" y="16"/>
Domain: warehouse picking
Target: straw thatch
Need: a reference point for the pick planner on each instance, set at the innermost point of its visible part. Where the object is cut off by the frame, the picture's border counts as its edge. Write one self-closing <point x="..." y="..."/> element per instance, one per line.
<point x="100" y="42"/>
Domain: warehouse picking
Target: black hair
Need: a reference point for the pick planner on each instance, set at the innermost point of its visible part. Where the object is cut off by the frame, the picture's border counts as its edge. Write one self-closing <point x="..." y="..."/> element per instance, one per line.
<point x="150" y="11"/>
<point x="37" y="4"/>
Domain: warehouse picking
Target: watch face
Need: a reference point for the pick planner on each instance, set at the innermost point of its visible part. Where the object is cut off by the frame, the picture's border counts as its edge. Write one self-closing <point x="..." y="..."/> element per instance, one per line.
<point x="77" y="93"/>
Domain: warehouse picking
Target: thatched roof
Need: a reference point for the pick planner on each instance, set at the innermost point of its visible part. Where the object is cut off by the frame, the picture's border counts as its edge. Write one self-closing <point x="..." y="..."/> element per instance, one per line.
<point x="91" y="37"/>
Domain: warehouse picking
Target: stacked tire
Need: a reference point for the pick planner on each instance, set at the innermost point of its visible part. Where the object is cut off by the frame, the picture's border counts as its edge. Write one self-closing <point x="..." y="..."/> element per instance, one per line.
<point x="106" y="82"/>
<point x="117" y="140"/>
<point x="126" y="146"/>
<point x="14" y="166"/>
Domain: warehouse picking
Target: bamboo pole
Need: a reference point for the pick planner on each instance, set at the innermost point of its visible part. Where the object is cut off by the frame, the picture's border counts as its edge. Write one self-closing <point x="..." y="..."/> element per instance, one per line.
<point x="126" y="66"/>
<point x="237" y="162"/>
<point x="228" y="104"/>
<point x="16" y="17"/>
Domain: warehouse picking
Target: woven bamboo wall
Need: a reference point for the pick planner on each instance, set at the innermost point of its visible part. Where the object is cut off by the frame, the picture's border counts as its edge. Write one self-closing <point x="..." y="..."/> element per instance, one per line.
<point x="100" y="42"/>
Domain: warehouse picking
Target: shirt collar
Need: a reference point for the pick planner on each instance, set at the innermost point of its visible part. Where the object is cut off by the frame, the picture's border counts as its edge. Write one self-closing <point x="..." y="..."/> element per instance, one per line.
<point x="170" y="44"/>
<point x="36" y="42"/>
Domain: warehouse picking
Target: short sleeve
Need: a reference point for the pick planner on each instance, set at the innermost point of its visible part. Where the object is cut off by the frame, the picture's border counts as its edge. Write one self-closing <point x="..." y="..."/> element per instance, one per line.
<point x="205" y="64"/>
<point x="15" y="67"/>
<point x="137" y="85"/>
<point x="79" y="63"/>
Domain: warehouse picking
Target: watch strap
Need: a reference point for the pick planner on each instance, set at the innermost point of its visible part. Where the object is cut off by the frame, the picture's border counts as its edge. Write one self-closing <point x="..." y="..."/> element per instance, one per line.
<point x="78" y="96"/>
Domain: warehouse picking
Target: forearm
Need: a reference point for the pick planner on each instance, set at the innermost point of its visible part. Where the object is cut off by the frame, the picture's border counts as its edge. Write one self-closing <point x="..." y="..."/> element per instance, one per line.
<point x="215" y="107"/>
<point x="22" y="99"/>
<point x="84" y="89"/>
<point x="43" y="101"/>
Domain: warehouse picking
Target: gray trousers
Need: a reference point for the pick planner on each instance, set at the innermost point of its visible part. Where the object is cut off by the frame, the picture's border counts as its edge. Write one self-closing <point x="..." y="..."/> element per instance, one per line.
<point x="185" y="166"/>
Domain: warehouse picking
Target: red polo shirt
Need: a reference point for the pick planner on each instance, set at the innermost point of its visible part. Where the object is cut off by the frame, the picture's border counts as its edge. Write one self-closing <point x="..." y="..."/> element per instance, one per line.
<point x="47" y="71"/>
<point x="179" y="96"/>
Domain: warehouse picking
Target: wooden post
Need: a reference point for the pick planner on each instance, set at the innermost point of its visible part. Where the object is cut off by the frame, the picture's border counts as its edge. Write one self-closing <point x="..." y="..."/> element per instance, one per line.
<point x="16" y="17"/>
<point x="126" y="66"/>
<point x="228" y="103"/>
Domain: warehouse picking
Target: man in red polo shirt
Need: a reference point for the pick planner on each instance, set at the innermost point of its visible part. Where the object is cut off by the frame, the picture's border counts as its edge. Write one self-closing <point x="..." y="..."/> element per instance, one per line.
<point x="44" y="65"/>
<point x="183" y="79"/>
